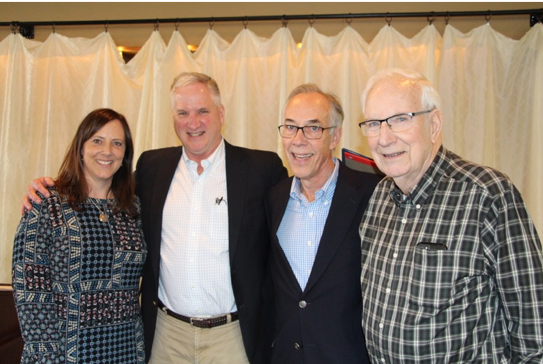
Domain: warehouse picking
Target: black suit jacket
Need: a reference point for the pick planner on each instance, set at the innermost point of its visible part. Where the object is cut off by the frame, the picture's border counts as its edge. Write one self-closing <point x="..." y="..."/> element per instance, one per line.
<point x="323" y="323"/>
<point x="249" y="175"/>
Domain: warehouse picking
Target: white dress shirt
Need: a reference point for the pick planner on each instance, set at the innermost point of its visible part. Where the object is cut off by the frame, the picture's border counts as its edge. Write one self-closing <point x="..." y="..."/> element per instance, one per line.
<point x="194" y="254"/>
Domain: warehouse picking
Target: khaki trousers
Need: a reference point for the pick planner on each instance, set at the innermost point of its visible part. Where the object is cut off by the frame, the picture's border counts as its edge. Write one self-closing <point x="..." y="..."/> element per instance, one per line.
<point x="178" y="342"/>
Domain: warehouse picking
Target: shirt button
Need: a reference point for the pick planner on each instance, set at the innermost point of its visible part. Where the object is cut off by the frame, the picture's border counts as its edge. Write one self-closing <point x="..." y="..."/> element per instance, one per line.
<point x="382" y="360"/>
<point x="297" y="346"/>
<point x="395" y="255"/>
<point x="387" y="290"/>
<point x="308" y="243"/>
<point x="381" y="326"/>
<point x="417" y="206"/>
<point x="310" y="214"/>
<point x="302" y="304"/>
<point x="404" y="221"/>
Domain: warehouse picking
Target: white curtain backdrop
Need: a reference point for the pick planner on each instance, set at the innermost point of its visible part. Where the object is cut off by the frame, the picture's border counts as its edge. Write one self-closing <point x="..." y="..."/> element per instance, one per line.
<point x="492" y="90"/>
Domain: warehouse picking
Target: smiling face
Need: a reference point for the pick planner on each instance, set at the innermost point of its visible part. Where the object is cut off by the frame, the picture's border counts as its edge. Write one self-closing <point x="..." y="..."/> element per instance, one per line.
<point x="103" y="155"/>
<point x="310" y="159"/>
<point x="405" y="156"/>
<point x="197" y="120"/>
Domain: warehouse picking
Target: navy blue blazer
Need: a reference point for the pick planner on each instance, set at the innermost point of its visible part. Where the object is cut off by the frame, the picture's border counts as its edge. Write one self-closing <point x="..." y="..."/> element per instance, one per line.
<point x="249" y="175"/>
<point x="323" y="323"/>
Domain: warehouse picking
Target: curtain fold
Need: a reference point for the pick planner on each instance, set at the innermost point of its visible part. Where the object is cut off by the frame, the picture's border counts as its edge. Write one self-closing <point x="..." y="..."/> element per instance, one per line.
<point x="491" y="86"/>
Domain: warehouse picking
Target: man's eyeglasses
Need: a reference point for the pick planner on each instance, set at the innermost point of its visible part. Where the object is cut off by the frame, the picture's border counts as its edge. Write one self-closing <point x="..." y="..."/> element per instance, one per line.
<point x="310" y="131"/>
<point x="400" y="122"/>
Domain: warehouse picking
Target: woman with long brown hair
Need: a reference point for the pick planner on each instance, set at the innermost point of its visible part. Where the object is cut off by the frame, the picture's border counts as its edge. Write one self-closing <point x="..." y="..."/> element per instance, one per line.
<point x="77" y="257"/>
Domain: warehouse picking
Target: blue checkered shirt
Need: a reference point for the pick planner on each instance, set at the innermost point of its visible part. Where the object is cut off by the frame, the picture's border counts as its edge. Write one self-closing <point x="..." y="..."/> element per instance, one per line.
<point x="453" y="273"/>
<point x="303" y="222"/>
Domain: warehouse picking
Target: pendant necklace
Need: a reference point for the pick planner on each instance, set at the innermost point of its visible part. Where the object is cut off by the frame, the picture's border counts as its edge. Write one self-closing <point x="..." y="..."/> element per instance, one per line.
<point x="103" y="215"/>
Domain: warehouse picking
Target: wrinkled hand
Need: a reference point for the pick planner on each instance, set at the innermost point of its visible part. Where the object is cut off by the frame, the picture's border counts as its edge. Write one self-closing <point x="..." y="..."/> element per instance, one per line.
<point x="40" y="185"/>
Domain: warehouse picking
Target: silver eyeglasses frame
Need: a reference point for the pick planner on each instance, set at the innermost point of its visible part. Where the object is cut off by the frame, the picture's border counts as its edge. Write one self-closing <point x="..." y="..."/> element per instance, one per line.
<point x="393" y="127"/>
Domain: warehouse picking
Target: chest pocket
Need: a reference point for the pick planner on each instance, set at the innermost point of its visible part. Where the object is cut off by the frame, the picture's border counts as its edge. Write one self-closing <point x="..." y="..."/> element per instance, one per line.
<point x="217" y="223"/>
<point x="445" y="280"/>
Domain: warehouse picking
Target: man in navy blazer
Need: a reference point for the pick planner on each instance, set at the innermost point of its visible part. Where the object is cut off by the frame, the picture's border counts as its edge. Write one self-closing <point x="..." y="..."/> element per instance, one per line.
<point x="315" y="247"/>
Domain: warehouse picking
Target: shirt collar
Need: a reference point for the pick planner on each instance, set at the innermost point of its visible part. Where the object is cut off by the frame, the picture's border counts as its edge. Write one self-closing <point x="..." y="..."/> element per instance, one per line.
<point x="427" y="184"/>
<point x="324" y="192"/>
<point x="212" y="160"/>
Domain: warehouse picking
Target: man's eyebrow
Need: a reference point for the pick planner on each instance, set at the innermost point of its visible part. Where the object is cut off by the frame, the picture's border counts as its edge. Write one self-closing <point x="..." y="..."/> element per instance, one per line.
<point x="311" y="121"/>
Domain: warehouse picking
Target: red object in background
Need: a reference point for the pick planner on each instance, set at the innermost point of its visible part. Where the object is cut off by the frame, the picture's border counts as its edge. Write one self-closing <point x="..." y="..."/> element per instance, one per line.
<point x="359" y="162"/>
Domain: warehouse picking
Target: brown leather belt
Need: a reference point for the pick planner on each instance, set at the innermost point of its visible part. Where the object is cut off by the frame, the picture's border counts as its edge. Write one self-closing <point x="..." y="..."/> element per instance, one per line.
<point x="202" y="323"/>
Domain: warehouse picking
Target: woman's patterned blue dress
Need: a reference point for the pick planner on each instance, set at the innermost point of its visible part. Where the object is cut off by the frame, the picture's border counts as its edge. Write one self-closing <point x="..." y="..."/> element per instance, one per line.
<point x="75" y="283"/>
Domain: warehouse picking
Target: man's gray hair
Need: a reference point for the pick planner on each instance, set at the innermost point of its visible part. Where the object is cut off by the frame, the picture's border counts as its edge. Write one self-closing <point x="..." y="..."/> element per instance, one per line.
<point x="429" y="96"/>
<point x="189" y="78"/>
<point x="335" y="112"/>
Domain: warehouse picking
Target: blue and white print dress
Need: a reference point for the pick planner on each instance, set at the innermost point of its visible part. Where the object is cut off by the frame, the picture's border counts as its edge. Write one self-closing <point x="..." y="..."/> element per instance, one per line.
<point x="76" y="281"/>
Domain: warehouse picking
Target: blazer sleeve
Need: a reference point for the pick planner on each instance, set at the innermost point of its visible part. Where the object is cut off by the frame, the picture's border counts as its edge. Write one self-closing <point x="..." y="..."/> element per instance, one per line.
<point x="280" y="172"/>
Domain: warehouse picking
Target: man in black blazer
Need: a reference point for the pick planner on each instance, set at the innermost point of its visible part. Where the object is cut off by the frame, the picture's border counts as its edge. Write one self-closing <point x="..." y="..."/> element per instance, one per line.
<point x="315" y="247"/>
<point x="198" y="116"/>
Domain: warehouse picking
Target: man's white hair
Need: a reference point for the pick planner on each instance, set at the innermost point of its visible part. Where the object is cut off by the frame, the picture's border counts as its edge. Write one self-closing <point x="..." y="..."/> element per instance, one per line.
<point x="429" y="96"/>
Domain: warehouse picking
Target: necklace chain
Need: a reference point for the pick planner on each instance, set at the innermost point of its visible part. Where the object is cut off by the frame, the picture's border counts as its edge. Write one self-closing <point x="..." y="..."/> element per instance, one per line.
<point x="103" y="215"/>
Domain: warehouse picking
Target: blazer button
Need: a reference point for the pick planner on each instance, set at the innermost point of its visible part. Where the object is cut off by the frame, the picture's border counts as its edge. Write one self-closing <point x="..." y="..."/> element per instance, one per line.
<point x="302" y="304"/>
<point x="297" y="346"/>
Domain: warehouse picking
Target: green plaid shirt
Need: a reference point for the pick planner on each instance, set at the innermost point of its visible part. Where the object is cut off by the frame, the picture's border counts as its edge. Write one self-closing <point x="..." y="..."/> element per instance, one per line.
<point x="453" y="273"/>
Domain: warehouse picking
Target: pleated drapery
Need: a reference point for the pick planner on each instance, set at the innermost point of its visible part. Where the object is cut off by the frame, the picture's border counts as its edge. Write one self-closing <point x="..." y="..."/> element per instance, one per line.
<point x="491" y="86"/>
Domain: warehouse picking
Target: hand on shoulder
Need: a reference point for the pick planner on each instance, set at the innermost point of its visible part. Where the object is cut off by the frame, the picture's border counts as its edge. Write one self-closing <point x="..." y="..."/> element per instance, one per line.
<point x="37" y="185"/>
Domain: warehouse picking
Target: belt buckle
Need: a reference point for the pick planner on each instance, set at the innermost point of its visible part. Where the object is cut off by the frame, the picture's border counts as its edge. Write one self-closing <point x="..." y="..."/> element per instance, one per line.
<point x="192" y="319"/>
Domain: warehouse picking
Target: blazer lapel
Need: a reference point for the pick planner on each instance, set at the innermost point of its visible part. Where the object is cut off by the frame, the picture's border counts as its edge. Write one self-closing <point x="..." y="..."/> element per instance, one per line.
<point x="236" y="182"/>
<point x="343" y="210"/>
<point x="280" y="200"/>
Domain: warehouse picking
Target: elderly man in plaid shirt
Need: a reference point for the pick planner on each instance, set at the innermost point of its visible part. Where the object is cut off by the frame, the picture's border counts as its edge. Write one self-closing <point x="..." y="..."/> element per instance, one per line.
<point x="452" y="269"/>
